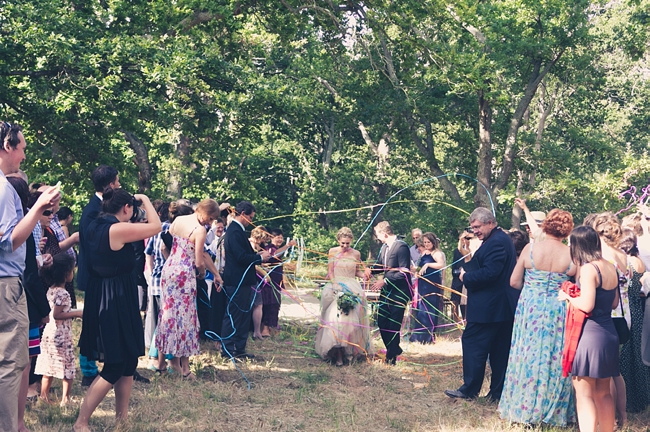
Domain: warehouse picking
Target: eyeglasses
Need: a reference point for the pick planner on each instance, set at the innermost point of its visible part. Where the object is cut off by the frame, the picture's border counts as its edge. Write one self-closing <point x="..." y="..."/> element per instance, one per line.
<point x="48" y="213"/>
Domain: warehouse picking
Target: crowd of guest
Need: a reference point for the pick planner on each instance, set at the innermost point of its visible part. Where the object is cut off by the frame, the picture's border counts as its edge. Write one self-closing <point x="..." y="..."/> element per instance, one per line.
<point x="166" y="259"/>
<point x="556" y="311"/>
<point x="563" y="328"/>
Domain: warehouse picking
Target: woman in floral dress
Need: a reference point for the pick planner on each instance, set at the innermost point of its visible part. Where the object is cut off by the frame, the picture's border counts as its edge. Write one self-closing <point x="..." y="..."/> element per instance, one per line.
<point x="535" y="391"/>
<point x="178" y="325"/>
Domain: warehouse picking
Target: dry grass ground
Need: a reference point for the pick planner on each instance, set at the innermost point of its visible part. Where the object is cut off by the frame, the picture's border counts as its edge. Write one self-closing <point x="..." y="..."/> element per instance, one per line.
<point x="291" y="389"/>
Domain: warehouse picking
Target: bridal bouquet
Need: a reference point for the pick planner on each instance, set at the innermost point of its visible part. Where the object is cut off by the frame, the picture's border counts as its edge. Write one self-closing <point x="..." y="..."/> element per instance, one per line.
<point x="347" y="301"/>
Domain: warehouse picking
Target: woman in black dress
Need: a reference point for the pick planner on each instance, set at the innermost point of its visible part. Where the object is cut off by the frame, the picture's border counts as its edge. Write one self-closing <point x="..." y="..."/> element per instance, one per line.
<point x="112" y="328"/>
<point x="635" y="372"/>
<point x="596" y="359"/>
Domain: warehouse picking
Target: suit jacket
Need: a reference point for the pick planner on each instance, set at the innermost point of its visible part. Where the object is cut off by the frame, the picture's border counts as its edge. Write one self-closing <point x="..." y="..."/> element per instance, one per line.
<point x="488" y="279"/>
<point x="645" y="334"/>
<point x="240" y="258"/>
<point x="89" y="214"/>
<point x="390" y="261"/>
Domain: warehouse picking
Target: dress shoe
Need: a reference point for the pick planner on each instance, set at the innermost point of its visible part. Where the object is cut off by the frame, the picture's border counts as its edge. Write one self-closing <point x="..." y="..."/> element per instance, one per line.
<point x="490" y="398"/>
<point x="393" y="360"/>
<point x="87" y="380"/>
<point x="139" y="378"/>
<point x="456" y="394"/>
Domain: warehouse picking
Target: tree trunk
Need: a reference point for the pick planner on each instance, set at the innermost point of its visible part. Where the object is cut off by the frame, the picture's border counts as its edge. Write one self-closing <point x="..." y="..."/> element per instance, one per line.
<point x="429" y="152"/>
<point x="328" y="147"/>
<point x="545" y="111"/>
<point x="141" y="160"/>
<point x="177" y="176"/>
<point x="534" y="80"/>
<point x="516" y="210"/>
<point x="484" y="173"/>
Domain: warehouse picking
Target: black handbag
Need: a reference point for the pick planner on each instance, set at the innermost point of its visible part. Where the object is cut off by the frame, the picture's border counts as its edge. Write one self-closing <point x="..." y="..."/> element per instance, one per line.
<point x="620" y="323"/>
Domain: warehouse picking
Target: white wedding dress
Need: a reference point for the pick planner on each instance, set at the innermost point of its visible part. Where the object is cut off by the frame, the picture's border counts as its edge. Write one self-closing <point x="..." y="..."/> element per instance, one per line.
<point x="338" y="330"/>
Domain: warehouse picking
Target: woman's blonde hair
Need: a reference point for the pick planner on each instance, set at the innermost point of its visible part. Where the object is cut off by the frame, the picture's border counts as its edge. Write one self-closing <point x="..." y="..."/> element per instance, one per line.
<point x="344" y="232"/>
<point x="260" y="234"/>
<point x="208" y="207"/>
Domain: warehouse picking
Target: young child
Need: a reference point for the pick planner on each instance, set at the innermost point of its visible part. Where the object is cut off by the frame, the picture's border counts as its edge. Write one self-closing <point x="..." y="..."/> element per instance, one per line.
<point x="57" y="358"/>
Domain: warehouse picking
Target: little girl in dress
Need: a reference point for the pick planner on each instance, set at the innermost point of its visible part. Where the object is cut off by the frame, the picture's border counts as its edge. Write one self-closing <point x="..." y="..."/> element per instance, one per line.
<point x="57" y="358"/>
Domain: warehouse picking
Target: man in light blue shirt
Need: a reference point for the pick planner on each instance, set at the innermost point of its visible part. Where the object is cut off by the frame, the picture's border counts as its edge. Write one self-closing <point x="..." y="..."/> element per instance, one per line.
<point x="15" y="228"/>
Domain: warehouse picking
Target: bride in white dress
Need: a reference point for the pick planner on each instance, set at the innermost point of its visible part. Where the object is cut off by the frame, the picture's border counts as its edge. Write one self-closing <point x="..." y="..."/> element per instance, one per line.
<point x="344" y="334"/>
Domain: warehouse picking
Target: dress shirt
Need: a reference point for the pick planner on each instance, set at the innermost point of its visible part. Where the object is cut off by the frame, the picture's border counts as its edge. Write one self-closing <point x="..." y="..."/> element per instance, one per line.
<point x="12" y="262"/>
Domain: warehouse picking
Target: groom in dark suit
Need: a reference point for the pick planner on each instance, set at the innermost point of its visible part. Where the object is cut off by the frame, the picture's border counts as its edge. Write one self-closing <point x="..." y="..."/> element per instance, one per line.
<point x="489" y="315"/>
<point x="238" y="278"/>
<point x="394" y="261"/>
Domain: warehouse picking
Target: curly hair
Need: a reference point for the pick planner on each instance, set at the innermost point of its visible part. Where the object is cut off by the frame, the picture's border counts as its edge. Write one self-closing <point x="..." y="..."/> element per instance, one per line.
<point x="178" y="208"/>
<point x="58" y="272"/>
<point x="628" y="242"/>
<point x="608" y="227"/>
<point x="344" y="232"/>
<point x="260" y="234"/>
<point x="558" y="223"/>
<point x="633" y="222"/>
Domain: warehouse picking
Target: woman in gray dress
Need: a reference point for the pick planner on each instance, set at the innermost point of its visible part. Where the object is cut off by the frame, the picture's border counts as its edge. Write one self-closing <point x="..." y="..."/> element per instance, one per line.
<point x="596" y="359"/>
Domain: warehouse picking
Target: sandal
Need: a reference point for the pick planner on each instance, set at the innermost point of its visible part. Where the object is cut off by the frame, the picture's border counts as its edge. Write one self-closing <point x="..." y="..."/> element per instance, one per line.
<point x="161" y="371"/>
<point x="189" y="376"/>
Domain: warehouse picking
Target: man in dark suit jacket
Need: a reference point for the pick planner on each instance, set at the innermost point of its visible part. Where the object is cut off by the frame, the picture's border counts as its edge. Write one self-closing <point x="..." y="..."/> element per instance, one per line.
<point x="238" y="279"/>
<point x="489" y="315"/>
<point x="645" y="333"/>
<point x="102" y="177"/>
<point x="394" y="261"/>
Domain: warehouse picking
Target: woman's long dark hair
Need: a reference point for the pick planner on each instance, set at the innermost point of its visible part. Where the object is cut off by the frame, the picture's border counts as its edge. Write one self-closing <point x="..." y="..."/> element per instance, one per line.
<point x="21" y="189"/>
<point x="585" y="245"/>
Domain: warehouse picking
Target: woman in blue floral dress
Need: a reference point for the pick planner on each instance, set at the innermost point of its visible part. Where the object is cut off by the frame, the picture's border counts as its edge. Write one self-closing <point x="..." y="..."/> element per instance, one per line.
<point x="535" y="391"/>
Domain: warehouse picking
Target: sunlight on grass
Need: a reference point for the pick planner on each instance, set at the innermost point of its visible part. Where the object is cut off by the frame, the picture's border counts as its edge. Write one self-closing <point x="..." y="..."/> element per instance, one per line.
<point x="292" y="389"/>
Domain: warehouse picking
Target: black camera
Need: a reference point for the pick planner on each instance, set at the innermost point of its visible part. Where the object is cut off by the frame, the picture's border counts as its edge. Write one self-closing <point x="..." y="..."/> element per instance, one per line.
<point x="139" y="214"/>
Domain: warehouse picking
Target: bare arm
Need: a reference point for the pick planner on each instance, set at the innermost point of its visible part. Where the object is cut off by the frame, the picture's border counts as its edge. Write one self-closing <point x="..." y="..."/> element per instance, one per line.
<point x="530" y="220"/>
<point x="199" y="241"/>
<point x="149" y="261"/>
<point x="330" y="263"/>
<point x="517" y="277"/>
<point x="126" y="232"/>
<point x="59" y="314"/>
<point x="588" y="283"/>
<point x="209" y="264"/>
<point x="281" y="250"/>
<point x="69" y="242"/>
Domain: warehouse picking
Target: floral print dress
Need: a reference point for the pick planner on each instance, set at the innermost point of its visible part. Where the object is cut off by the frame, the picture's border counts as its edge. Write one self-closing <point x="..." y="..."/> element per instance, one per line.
<point x="178" y="324"/>
<point x="535" y="391"/>
<point x="57" y="357"/>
